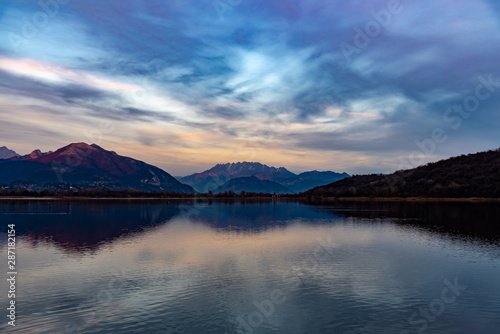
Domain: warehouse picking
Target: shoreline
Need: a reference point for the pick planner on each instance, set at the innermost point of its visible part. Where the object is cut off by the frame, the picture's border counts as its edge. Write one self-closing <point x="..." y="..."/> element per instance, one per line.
<point x="315" y="200"/>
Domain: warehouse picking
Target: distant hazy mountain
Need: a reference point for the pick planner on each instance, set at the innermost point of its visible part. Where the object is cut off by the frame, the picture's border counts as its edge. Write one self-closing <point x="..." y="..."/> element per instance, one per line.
<point x="216" y="176"/>
<point x="85" y="165"/>
<point x="253" y="184"/>
<point x="5" y="153"/>
<point x="473" y="175"/>
<point x="220" y="174"/>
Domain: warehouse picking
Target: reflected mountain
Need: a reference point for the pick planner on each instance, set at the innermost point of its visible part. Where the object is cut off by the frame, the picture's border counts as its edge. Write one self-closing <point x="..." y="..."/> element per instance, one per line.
<point x="78" y="226"/>
<point x="86" y="225"/>
<point x="468" y="219"/>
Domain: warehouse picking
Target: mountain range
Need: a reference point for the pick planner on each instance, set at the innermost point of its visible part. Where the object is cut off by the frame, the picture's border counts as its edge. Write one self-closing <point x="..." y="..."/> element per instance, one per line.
<point x="222" y="177"/>
<point x="81" y="166"/>
<point x="472" y="175"/>
<point x="87" y="166"/>
<point x="33" y="155"/>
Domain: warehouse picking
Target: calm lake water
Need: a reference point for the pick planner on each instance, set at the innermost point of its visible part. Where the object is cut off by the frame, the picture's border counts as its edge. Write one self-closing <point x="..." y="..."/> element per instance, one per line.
<point x="142" y="266"/>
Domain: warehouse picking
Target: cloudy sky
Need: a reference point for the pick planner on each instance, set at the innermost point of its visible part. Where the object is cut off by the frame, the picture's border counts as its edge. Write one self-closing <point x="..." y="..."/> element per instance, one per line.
<point x="357" y="86"/>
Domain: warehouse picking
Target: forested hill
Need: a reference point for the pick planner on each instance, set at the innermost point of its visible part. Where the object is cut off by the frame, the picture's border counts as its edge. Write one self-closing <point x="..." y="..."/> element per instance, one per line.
<point x="472" y="175"/>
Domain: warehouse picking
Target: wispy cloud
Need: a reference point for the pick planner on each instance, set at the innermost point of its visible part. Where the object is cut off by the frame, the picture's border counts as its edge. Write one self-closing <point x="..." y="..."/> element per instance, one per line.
<point x="268" y="81"/>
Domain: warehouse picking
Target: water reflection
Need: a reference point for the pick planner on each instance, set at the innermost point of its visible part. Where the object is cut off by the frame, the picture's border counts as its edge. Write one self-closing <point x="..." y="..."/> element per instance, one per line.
<point x="81" y="226"/>
<point x="249" y="267"/>
<point x="465" y="218"/>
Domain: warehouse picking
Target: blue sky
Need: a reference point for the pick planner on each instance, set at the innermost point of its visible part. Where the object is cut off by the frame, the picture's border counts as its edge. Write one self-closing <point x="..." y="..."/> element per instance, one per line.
<point x="355" y="86"/>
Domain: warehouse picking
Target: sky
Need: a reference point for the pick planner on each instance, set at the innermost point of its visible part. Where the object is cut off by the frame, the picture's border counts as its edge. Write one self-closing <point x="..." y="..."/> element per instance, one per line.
<point x="350" y="86"/>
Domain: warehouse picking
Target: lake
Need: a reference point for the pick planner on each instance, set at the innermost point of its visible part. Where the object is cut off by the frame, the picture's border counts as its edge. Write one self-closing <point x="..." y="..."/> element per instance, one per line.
<point x="167" y="266"/>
